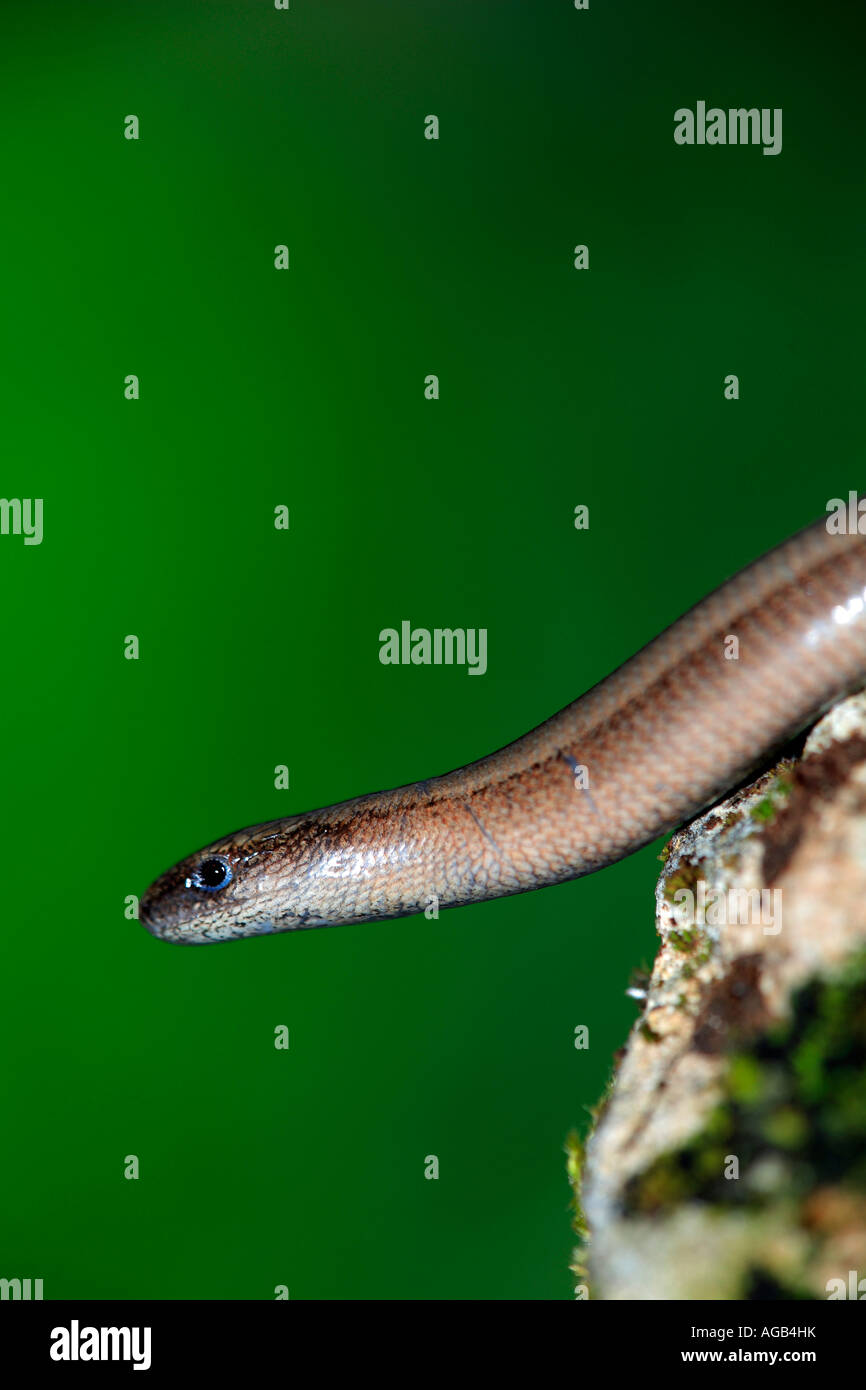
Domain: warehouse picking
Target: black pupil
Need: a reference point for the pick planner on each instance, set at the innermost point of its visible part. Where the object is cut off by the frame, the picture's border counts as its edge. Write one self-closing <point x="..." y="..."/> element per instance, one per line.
<point x="212" y="873"/>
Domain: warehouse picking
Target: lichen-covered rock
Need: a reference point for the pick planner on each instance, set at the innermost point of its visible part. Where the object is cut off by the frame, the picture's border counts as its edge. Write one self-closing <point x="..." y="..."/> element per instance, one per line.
<point x="729" y="1157"/>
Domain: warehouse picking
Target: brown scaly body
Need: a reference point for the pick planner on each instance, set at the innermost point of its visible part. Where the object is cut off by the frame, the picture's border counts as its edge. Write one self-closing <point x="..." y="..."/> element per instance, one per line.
<point x="666" y="734"/>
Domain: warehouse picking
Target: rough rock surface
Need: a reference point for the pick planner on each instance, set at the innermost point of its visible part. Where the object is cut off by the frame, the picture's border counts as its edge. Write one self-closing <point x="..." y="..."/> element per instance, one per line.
<point x="724" y="1161"/>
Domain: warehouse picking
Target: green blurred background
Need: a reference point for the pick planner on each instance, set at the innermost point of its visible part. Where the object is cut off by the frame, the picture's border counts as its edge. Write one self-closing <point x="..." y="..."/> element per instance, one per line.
<point x="260" y="647"/>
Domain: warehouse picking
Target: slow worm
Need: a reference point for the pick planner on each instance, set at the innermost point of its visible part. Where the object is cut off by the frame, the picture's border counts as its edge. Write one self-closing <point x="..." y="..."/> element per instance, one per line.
<point x="665" y="735"/>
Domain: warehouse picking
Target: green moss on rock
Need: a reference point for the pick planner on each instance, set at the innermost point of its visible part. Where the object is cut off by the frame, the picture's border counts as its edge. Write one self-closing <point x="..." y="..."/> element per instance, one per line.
<point x="685" y="877"/>
<point x="794" y="1104"/>
<point x="683" y="938"/>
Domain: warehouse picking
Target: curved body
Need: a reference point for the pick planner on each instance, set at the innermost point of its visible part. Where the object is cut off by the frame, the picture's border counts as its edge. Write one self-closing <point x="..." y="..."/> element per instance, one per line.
<point x="666" y="734"/>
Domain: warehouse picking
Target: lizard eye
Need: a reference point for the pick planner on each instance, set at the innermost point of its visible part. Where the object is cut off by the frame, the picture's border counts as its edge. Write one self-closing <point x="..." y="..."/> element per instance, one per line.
<point x="211" y="874"/>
